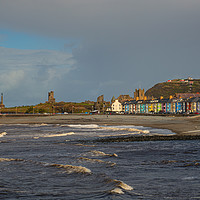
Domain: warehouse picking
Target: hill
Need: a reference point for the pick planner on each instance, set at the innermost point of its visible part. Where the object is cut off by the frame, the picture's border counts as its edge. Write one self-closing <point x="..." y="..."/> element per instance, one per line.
<point x="58" y="107"/>
<point x="172" y="87"/>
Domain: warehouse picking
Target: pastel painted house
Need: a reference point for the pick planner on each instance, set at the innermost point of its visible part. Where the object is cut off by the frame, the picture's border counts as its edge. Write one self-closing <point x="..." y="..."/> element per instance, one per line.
<point x="169" y="107"/>
<point x="126" y="107"/>
<point x="198" y="105"/>
<point x="194" y="104"/>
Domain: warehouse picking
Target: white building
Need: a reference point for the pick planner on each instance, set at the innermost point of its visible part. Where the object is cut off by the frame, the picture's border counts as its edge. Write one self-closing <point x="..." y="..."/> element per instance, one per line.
<point x="116" y="106"/>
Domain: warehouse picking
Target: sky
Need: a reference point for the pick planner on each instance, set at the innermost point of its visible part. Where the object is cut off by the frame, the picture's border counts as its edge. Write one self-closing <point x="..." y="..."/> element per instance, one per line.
<point x="82" y="49"/>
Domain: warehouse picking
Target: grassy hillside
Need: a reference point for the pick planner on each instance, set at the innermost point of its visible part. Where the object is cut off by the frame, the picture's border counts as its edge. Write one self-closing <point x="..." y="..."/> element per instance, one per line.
<point x="59" y="107"/>
<point x="166" y="89"/>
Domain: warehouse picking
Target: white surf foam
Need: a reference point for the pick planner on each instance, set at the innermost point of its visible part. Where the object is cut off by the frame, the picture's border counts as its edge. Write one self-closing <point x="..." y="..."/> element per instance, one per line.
<point x="3" y="134"/>
<point x="60" y="135"/>
<point x="125" y="129"/>
<point x="72" y="169"/>
<point x="116" y="191"/>
<point x="101" y="153"/>
<point x="123" y="185"/>
<point x="6" y="159"/>
<point x="92" y="126"/>
<point x="9" y="159"/>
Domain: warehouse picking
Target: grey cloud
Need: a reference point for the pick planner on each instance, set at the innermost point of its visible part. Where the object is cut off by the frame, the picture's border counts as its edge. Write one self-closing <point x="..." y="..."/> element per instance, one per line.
<point x="32" y="72"/>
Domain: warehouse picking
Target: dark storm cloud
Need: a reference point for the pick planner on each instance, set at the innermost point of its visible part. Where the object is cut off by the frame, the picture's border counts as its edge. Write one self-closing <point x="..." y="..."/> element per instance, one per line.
<point x="122" y="44"/>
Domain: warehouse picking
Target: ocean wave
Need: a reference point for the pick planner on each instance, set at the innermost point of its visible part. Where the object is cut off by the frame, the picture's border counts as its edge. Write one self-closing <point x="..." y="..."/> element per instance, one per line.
<point x="3" y="134"/>
<point x="98" y="161"/>
<point x="71" y="168"/>
<point x="119" y="186"/>
<point x="59" y="135"/>
<point x="125" y="129"/>
<point x="123" y="134"/>
<point x="116" y="191"/>
<point x="123" y="185"/>
<point x="9" y="159"/>
<point x="92" y="126"/>
<point x="101" y="153"/>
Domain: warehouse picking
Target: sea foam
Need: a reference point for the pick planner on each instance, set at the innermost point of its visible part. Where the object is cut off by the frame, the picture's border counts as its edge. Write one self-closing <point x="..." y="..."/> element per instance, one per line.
<point x="123" y="185"/>
<point x="100" y="153"/>
<point x="59" y="135"/>
<point x="3" y="134"/>
<point x="9" y="159"/>
<point x="83" y="126"/>
<point x="72" y="169"/>
<point x="125" y="129"/>
<point x="119" y="186"/>
<point x="116" y="191"/>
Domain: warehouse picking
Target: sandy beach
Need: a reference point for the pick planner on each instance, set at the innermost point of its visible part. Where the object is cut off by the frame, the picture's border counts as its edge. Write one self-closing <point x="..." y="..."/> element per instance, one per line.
<point x="187" y="125"/>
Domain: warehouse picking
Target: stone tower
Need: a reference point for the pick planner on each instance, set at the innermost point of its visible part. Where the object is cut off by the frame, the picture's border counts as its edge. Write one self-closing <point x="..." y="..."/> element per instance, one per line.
<point x="2" y="105"/>
<point x="99" y="105"/>
<point x="139" y="94"/>
<point x="51" y="98"/>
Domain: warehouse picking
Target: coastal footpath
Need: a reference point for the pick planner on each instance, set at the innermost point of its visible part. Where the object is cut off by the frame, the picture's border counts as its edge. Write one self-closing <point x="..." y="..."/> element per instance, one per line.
<point x="187" y="125"/>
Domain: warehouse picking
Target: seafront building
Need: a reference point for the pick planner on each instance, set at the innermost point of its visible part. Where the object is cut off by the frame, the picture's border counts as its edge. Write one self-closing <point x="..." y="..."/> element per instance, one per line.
<point x="180" y="103"/>
<point x="116" y="106"/>
<point x="171" y="106"/>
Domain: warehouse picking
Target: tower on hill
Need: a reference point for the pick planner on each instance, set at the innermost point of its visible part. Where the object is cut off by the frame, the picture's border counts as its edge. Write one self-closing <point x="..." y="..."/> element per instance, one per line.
<point x="51" y="98"/>
<point x="139" y="94"/>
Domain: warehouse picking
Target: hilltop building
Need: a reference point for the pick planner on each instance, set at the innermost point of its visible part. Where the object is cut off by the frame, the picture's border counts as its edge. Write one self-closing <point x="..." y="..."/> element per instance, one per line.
<point x="1" y="104"/>
<point x="139" y="94"/>
<point x="51" y="98"/>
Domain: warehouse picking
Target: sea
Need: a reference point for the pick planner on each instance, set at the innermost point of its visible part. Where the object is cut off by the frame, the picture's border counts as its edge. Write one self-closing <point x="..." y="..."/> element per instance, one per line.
<point x="67" y="161"/>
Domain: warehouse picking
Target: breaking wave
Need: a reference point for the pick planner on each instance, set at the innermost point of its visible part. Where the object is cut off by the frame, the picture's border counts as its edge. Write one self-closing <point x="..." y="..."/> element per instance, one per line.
<point x="9" y="159"/>
<point x="123" y="185"/>
<point x="101" y="153"/>
<point x="119" y="186"/>
<point x="3" y="134"/>
<point x="116" y="191"/>
<point x="83" y="126"/>
<point x="125" y="129"/>
<point x="60" y="135"/>
<point x="71" y="168"/>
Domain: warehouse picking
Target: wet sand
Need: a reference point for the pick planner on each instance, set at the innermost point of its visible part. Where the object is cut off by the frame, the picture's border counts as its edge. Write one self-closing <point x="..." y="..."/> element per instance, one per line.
<point x="187" y="125"/>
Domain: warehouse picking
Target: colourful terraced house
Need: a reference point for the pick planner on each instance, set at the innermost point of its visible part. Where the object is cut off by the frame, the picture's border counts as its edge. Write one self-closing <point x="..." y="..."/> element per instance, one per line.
<point x="190" y="105"/>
